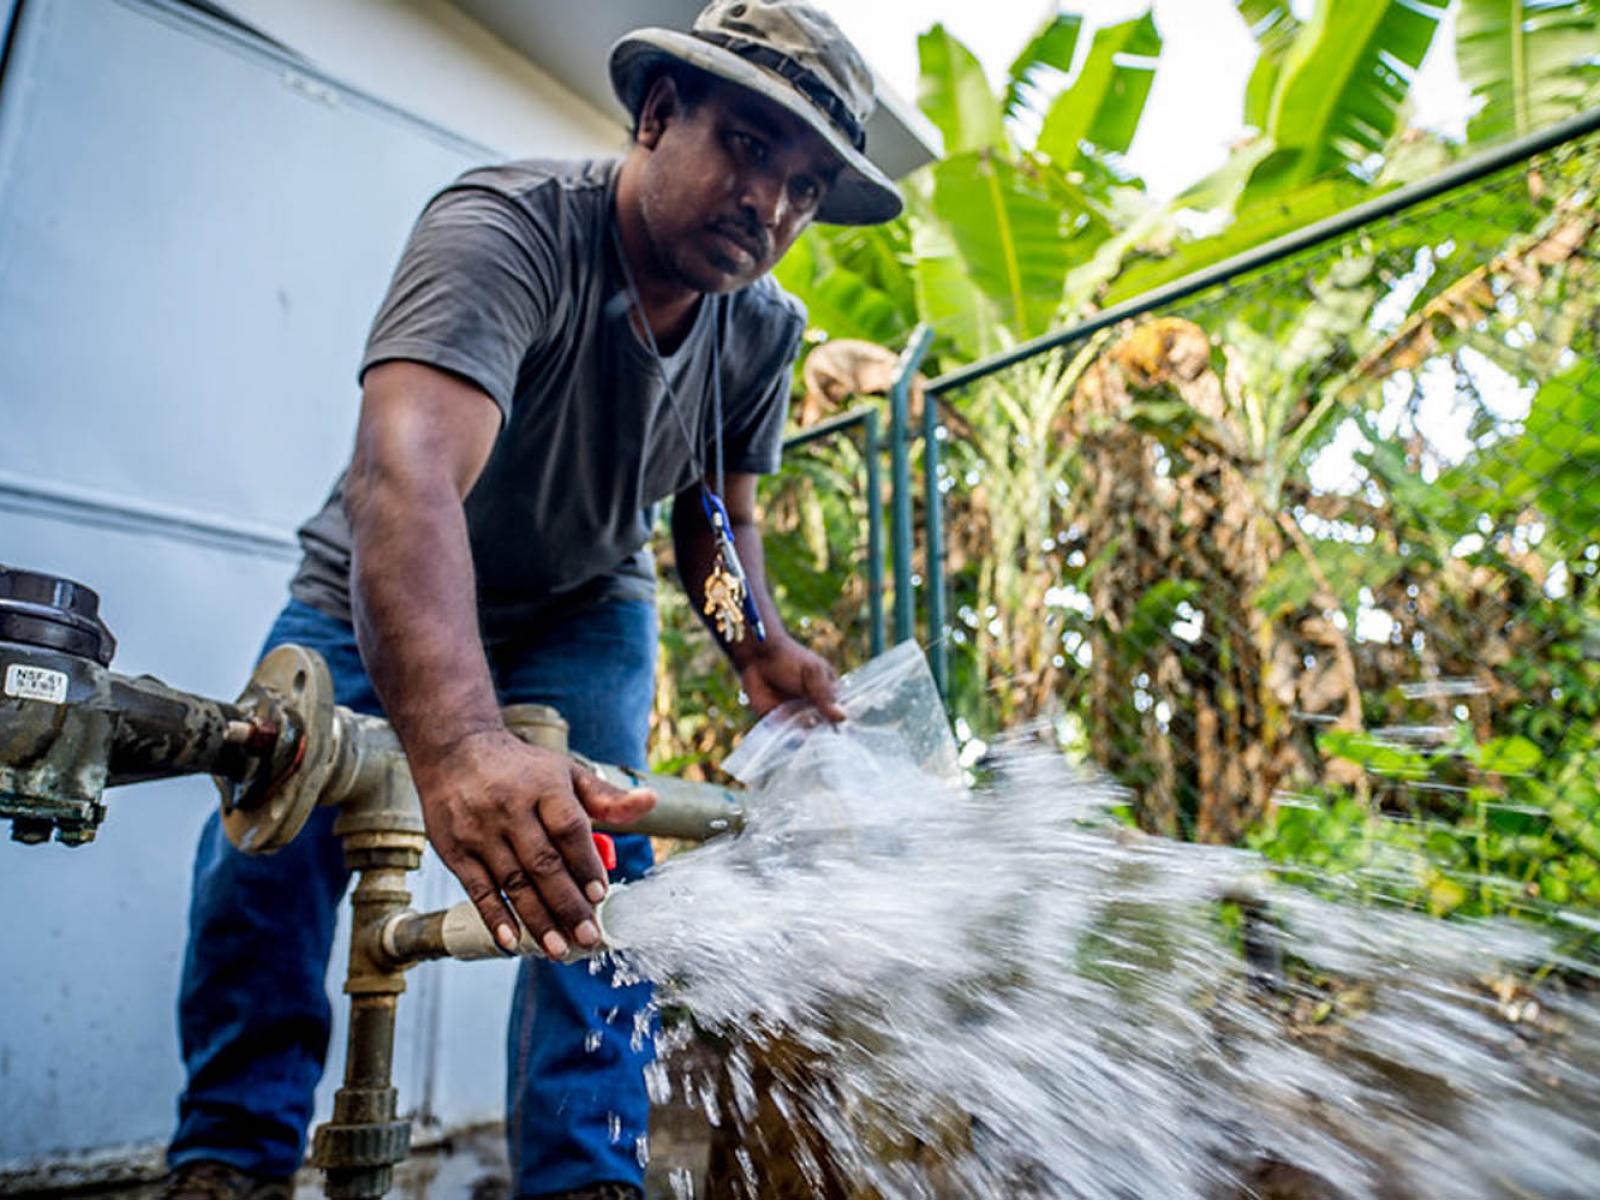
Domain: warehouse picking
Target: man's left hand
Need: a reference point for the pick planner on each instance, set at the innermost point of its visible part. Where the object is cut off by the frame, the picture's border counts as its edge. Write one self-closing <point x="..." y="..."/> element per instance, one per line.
<point x="782" y="669"/>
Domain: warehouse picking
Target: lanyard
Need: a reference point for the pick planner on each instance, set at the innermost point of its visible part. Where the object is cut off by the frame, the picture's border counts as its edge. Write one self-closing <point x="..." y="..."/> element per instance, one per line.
<point x="725" y="593"/>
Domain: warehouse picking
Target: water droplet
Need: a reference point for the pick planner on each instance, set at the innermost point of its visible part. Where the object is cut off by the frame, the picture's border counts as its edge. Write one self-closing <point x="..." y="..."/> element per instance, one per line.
<point x="657" y="1083"/>
<point x="592" y="1040"/>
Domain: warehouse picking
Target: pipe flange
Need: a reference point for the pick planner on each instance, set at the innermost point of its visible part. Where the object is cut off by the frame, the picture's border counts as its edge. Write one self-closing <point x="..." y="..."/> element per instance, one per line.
<point x="537" y="724"/>
<point x="299" y="679"/>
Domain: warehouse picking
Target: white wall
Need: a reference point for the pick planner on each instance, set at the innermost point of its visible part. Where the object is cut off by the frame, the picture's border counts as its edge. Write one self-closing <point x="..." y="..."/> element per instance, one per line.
<point x="430" y="58"/>
<point x="194" y="234"/>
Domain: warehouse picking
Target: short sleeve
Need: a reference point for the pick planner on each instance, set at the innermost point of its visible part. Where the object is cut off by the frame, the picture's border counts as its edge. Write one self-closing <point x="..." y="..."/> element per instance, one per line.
<point x="472" y="294"/>
<point x="752" y="433"/>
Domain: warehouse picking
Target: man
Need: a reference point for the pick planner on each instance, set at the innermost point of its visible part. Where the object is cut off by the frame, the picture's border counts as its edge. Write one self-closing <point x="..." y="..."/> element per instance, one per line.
<point x="563" y="346"/>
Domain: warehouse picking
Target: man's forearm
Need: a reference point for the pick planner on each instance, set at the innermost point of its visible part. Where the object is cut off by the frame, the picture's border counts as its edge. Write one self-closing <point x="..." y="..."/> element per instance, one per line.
<point x="415" y="608"/>
<point x="509" y="819"/>
<point x="753" y="557"/>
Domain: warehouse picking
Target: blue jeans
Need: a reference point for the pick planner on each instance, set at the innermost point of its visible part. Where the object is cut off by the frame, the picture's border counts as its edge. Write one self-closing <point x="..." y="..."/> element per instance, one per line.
<point x="253" y="1008"/>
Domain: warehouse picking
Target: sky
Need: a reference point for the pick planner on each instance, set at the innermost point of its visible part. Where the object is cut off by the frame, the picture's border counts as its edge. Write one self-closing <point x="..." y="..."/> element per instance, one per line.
<point x="1194" y="111"/>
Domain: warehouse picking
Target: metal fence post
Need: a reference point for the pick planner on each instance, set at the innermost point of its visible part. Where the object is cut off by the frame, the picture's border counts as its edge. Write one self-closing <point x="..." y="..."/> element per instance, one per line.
<point x="871" y="446"/>
<point x="900" y="468"/>
<point x="934" y="517"/>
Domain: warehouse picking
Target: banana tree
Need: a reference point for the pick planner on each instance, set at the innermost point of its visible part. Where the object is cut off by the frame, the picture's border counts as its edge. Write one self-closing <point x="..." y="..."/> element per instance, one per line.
<point x="1030" y="220"/>
<point x="1010" y="237"/>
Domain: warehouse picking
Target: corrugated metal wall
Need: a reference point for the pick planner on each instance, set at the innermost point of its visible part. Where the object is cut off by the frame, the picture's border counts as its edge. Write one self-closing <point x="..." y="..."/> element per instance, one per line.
<point x="194" y="232"/>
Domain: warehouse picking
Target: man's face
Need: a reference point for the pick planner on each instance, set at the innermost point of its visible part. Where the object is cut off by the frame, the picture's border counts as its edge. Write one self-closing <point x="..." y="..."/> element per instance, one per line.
<point x="729" y="185"/>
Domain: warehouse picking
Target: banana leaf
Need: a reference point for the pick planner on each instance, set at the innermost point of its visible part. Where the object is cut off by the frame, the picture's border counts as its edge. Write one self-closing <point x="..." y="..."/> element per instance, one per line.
<point x="954" y="94"/>
<point x="839" y="300"/>
<point x="1338" y="96"/>
<point x="1530" y="62"/>
<point x="1260" y="221"/>
<point x="1105" y="102"/>
<point x="1274" y="27"/>
<point x="1015" y="234"/>
<point x="1050" y="50"/>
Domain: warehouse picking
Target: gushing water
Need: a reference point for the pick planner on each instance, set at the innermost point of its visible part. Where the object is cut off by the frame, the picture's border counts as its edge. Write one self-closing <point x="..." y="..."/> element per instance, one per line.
<point x="934" y="990"/>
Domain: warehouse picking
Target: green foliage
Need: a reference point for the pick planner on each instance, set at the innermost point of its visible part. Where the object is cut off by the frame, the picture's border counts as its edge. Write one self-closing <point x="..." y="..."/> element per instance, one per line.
<point x="1509" y="843"/>
<point x="1532" y="62"/>
<point x="1556" y="462"/>
<point x="1010" y="234"/>
<point x="1102" y="108"/>
<point x="1504" y="818"/>
<point x="955" y="95"/>
<point x="1260" y="218"/>
<point x="1275" y="29"/>
<point x="1374" y="755"/>
<point x="1349" y="567"/>
<point x="946" y="298"/>
<point x="1154" y="614"/>
<point x="1049" y="52"/>
<point x="1336" y="99"/>
<point x="1485" y="561"/>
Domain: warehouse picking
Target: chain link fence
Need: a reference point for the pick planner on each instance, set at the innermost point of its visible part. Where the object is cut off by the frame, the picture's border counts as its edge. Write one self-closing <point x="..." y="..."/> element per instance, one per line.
<point x="1305" y="556"/>
<point x="1309" y="557"/>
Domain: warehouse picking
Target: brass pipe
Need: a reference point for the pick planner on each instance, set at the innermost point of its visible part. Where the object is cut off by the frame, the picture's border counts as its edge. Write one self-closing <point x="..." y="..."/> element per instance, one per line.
<point x="359" y="1146"/>
<point x="381" y="826"/>
<point x="458" y="932"/>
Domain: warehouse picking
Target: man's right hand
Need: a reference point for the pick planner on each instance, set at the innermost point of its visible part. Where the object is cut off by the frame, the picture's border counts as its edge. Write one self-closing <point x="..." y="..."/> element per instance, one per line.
<point x="513" y="822"/>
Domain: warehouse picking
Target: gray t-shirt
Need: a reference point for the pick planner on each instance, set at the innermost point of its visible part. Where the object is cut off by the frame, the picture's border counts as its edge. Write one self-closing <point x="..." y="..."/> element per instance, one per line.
<point x="510" y="280"/>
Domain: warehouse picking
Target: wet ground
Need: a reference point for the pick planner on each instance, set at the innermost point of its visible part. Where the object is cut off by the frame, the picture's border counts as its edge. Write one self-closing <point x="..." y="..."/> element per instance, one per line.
<point x="470" y="1165"/>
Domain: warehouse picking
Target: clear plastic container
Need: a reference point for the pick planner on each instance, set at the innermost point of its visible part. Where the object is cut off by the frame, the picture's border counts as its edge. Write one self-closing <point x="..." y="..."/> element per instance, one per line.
<point x="893" y="716"/>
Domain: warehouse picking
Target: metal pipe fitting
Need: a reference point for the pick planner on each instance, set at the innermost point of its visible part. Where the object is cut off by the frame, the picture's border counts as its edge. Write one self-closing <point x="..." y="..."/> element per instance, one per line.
<point x="70" y="728"/>
<point x="358" y="1148"/>
<point x="162" y="732"/>
<point x="694" y="812"/>
<point x="380" y="825"/>
<point x="458" y="932"/>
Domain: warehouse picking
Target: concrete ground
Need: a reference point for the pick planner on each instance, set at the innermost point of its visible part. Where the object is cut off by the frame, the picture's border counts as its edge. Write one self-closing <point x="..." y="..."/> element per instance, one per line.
<point x="470" y="1165"/>
<point x="463" y="1165"/>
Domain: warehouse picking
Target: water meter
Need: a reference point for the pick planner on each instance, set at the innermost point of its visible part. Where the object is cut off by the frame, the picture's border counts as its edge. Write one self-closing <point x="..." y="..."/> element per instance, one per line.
<point x="56" y="723"/>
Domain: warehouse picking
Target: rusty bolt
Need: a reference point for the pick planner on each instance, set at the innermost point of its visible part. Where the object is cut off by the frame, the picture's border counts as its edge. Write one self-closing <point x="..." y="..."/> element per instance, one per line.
<point x="257" y="735"/>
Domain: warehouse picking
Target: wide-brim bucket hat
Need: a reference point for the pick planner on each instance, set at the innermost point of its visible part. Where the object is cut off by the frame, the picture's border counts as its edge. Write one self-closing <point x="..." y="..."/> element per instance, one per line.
<point x="793" y="55"/>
